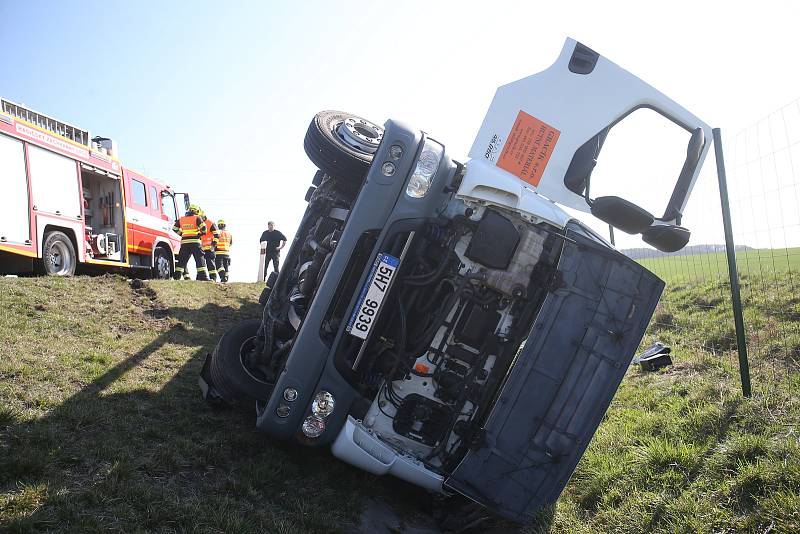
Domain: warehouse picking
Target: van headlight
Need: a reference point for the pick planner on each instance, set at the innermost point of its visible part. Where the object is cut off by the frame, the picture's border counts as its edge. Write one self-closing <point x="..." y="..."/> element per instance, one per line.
<point x="323" y="405"/>
<point x="427" y="165"/>
<point x="313" y="427"/>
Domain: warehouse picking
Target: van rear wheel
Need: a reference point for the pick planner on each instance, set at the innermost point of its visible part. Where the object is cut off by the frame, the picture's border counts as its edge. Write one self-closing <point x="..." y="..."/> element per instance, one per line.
<point x="58" y="254"/>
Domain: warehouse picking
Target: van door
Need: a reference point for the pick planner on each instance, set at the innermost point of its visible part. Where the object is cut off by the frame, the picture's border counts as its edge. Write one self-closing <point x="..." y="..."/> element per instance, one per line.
<point x="545" y="133"/>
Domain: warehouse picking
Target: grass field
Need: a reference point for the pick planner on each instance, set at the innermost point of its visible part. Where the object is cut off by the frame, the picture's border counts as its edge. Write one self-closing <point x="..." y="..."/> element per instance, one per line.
<point x="102" y="428"/>
<point x="759" y="263"/>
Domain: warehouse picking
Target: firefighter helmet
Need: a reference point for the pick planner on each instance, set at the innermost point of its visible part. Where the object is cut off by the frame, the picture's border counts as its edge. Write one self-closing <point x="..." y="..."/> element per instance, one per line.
<point x="221" y="223"/>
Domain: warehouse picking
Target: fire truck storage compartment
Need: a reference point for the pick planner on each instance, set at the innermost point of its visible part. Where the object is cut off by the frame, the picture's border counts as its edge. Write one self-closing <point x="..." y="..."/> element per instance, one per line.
<point x="102" y="211"/>
<point x="15" y="225"/>
<point x="54" y="183"/>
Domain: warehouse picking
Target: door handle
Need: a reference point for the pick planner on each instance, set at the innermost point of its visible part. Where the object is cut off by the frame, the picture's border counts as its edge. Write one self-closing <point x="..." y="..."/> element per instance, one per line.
<point x="134" y="219"/>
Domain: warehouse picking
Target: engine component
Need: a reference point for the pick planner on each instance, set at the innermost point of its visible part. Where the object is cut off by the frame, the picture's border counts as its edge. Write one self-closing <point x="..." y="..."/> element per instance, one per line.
<point x="459" y="352"/>
<point x="422" y="419"/>
<point x="514" y="281"/>
<point x="475" y="324"/>
<point x="494" y="241"/>
<point x="450" y="385"/>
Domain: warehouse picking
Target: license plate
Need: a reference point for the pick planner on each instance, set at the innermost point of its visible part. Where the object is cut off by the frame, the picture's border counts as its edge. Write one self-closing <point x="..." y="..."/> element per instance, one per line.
<point x="372" y="294"/>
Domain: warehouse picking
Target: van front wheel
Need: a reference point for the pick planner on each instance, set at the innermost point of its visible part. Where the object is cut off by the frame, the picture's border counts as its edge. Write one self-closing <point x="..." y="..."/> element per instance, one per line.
<point x="235" y="381"/>
<point x="342" y="144"/>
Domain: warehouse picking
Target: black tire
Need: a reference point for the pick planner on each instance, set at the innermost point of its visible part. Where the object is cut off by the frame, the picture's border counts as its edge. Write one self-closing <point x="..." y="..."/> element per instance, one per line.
<point x="58" y="255"/>
<point x="163" y="266"/>
<point x="310" y="192"/>
<point x="234" y="382"/>
<point x="317" y="179"/>
<point x="341" y="144"/>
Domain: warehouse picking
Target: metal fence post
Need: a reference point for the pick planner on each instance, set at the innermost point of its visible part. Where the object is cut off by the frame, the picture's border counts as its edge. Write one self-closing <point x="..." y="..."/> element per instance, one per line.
<point x="741" y="342"/>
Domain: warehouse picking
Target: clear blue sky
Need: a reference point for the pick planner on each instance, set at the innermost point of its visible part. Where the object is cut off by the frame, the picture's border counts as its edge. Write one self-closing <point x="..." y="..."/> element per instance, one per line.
<point x="215" y="98"/>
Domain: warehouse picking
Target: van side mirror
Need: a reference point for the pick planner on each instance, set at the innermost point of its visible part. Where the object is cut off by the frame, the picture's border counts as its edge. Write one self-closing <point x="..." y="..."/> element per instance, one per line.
<point x="666" y="238"/>
<point x="622" y="214"/>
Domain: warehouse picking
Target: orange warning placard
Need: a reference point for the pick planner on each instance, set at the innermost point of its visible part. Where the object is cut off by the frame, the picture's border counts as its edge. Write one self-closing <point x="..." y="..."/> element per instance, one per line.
<point x="528" y="148"/>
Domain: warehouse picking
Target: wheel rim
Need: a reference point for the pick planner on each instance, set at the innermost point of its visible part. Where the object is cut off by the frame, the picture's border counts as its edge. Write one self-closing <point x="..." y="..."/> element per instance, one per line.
<point x="162" y="267"/>
<point x="246" y="347"/>
<point x="359" y="134"/>
<point x="60" y="259"/>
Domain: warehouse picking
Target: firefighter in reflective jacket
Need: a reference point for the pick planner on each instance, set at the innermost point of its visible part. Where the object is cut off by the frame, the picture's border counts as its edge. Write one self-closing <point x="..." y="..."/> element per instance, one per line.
<point x="190" y="227"/>
<point x="209" y="241"/>
<point x="224" y="251"/>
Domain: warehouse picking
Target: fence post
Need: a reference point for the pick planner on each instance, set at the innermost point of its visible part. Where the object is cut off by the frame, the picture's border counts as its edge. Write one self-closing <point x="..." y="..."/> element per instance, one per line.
<point x="741" y="342"/>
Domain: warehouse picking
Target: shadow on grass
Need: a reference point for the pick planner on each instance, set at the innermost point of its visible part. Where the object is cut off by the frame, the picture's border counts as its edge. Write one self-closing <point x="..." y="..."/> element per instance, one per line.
<point x="137" y="449"/>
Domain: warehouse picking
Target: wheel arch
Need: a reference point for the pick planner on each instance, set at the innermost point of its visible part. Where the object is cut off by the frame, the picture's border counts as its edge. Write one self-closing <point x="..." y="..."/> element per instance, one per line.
<point x="164" y="245"/>
<point x="69" y="232"/>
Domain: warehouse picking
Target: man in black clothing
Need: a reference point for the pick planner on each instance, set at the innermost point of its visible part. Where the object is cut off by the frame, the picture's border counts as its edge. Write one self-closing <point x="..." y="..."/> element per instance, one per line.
<point x="275" y="241"/>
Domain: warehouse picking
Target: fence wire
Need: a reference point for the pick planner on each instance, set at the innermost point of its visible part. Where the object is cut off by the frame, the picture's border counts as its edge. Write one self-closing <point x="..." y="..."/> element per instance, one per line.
<point x="695" y="315"/>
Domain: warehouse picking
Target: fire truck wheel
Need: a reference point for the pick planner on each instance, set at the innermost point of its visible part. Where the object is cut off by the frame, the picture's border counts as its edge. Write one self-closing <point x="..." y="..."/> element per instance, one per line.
<point x="342" y="144"/>
<point x="232" y="379"/>
<point x="58" y="255"/>
<point x="162" y="265"/>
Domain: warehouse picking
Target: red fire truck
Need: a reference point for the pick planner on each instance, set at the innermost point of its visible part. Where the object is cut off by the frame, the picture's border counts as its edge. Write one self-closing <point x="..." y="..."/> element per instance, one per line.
<point x="67" y="200"/>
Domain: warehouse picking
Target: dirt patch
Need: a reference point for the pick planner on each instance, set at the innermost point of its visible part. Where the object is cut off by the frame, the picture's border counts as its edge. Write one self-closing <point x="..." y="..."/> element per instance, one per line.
<point x="379" y="517"/>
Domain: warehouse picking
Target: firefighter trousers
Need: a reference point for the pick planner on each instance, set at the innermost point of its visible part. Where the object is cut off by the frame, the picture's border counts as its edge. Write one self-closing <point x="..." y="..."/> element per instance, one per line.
<point x="211" y="262"/>
<point x="189" y="250"/>
<point x="223" y="266"/>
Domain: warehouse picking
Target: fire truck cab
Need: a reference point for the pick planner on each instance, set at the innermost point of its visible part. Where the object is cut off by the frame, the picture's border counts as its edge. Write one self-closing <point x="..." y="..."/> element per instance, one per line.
<point x="68" y="200"/>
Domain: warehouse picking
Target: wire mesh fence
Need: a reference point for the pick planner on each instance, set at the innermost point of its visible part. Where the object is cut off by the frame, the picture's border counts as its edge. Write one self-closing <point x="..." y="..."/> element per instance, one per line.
<point x="696" y="313"/>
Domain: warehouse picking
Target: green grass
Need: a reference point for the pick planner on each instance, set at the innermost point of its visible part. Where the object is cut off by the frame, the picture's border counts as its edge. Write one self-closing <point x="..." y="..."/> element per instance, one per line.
<point x="102" y="426"/>
<point x="762" y="263"/>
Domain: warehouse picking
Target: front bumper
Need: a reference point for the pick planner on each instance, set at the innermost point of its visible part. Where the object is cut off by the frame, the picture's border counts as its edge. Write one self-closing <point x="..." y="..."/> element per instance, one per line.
<point x="357" y="446"/>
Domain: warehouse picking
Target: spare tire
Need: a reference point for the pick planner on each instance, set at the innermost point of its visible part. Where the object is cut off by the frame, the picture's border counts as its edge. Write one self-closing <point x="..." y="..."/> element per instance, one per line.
<point x="232" y="379"/>
<point x="342" y="144"/>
